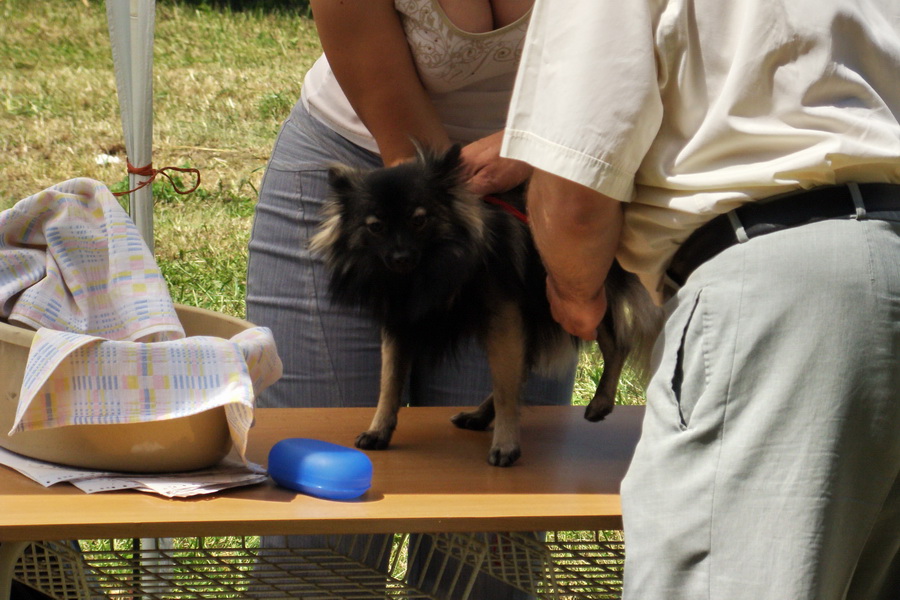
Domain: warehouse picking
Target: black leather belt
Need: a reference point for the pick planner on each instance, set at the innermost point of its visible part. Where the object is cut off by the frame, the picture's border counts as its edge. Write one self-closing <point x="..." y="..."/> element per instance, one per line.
<point x="875" y="201"/>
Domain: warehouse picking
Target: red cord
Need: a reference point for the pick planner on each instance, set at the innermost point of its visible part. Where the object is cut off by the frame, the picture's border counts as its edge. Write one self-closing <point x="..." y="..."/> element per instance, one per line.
<point x="150" y="172"/>
<point x="507" y="207"/>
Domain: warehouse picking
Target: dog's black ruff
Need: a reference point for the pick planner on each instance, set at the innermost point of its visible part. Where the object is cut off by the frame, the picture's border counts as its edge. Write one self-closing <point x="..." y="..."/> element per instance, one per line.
<point x="461" y="278"/>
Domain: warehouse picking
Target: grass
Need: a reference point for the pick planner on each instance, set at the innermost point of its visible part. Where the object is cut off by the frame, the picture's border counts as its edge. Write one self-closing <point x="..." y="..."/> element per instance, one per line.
<point x="223" y="82"/>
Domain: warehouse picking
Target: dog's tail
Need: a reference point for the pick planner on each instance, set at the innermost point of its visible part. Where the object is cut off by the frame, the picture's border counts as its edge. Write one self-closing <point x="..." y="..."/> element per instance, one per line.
<point x="627" y="333"/>
<point x="637" y="320"/>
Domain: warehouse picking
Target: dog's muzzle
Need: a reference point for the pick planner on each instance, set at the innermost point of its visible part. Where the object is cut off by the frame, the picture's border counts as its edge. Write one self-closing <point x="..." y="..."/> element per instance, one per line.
<point x="402" y="261"/>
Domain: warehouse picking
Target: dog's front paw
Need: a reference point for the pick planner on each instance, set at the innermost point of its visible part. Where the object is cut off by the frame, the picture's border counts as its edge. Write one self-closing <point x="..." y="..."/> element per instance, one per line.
<point x="475" y="420"/>
<point x="504" y="457"/>
<point x="373" y="440"/>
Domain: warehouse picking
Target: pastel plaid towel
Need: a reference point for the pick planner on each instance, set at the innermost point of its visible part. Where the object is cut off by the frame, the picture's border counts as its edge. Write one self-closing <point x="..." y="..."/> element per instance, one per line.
<point x="109" y="346"/>
<point x="80" y="265"/>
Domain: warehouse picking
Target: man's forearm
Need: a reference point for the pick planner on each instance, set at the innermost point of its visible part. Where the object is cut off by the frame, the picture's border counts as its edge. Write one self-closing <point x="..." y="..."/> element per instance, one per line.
<point x="577" y="233"/>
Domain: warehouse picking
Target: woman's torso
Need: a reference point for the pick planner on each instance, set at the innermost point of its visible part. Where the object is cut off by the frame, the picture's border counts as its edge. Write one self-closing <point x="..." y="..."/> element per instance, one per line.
<point x="468" y="74"/>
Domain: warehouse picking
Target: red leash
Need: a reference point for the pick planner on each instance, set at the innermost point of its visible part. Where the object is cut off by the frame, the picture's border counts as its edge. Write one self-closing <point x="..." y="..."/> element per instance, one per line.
<point x="507" y="207"/>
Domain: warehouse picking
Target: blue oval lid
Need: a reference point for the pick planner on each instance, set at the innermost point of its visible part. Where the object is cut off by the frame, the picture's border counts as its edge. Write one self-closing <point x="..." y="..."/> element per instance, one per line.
<point x="320" y="469"/>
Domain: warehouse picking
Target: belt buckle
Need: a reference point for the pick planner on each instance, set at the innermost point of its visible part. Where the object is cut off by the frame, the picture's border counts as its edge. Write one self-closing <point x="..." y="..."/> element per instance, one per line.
<point x="858" y="201"/>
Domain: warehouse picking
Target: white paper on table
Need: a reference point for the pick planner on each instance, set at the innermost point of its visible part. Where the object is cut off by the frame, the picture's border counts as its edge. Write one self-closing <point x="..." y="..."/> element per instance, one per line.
<point x="227" y="474"/>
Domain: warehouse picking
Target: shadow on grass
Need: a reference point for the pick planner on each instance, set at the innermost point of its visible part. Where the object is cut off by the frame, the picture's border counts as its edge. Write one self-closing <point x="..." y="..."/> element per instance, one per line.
<point x="261" y="6"/>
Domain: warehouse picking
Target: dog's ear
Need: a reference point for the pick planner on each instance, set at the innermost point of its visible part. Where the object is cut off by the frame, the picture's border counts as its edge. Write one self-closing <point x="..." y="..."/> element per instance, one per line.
<point x="450" y="162"/>
<point x="444" y="169"/>
<point x="341" y="178"/>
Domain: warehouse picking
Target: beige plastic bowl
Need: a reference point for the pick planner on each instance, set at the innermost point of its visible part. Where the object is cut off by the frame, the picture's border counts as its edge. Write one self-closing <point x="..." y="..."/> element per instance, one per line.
<point x="181" y="444"/>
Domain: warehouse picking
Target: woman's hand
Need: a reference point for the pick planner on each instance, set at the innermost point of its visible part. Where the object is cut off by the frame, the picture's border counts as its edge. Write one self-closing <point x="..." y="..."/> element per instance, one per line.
<point x="486" y="172"/>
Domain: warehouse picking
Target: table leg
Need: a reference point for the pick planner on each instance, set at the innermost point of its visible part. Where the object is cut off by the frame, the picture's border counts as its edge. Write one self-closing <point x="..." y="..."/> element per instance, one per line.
<point x="9" y="556"/>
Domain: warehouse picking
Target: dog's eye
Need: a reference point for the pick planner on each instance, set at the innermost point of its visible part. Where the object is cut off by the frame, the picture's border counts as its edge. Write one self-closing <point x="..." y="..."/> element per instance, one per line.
<point x="419" y="219"/>
<point x="374" y="225"/>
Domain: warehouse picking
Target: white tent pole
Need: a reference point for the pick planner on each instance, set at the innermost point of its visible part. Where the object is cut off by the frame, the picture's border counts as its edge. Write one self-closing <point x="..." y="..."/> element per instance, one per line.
<point x="131" y="28"/>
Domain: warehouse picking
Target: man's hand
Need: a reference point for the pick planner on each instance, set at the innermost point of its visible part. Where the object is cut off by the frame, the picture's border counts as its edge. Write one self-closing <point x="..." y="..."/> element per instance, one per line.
<point x="580" y="317"/>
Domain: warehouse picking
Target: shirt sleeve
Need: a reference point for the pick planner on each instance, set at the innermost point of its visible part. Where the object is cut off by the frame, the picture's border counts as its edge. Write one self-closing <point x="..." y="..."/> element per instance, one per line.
<point x="586" y="105"/>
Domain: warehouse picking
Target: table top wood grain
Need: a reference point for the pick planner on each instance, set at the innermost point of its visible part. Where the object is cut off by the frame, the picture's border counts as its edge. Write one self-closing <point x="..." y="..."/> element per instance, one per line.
<point x="434" y="477"/>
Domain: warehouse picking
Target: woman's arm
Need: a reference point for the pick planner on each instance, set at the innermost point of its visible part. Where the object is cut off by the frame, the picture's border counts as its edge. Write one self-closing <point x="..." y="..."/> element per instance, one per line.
<point x="368" y="52"/>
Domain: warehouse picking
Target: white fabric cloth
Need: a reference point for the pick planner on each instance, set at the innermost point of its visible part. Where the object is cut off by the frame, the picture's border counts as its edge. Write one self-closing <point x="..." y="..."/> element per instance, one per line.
<point x="109" y="347"/>
<point x="468" y="76"/>
<point x="72" y="260"/>
<point x="689" y="108"/>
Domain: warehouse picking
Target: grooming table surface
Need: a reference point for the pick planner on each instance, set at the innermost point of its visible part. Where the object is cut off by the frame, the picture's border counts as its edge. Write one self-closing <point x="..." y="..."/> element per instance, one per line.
<point x="433" y="478"/>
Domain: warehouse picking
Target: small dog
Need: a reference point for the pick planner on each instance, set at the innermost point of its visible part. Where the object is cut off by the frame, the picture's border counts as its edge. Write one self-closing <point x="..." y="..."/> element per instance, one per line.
<point x="435" y="264"/>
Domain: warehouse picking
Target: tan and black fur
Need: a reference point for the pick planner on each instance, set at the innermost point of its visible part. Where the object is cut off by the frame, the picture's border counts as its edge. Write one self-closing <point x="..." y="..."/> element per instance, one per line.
<point x="435" y="264"/>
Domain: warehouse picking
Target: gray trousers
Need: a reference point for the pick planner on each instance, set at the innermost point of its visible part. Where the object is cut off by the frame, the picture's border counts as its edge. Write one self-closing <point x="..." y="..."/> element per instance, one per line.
<point x="332" y="354"/>
<point x="769" y="458"/>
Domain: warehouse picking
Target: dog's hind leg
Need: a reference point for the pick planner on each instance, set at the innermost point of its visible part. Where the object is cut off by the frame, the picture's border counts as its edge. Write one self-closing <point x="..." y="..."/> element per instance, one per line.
<point x="614" y="356"/>
<point x="394" y="368"/>
<point x="478" y="419"/>
<point x="505" y="347"/>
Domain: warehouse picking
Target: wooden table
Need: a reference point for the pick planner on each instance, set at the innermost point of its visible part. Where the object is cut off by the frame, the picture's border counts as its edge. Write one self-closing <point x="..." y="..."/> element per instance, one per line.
<point x="434" y="478"/>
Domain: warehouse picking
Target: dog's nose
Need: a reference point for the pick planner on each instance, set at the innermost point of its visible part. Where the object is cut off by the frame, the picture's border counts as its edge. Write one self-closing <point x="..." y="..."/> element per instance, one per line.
<point x="403" y="261"/>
